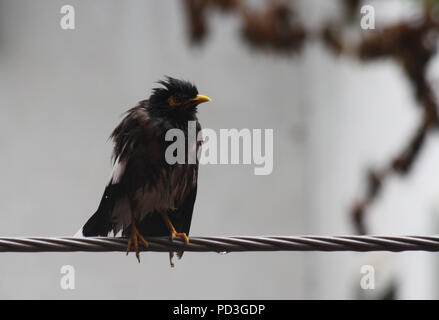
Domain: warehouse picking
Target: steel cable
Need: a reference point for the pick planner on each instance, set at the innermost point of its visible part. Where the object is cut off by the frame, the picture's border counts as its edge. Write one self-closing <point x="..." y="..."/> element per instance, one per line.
<point x="226" y="244"/>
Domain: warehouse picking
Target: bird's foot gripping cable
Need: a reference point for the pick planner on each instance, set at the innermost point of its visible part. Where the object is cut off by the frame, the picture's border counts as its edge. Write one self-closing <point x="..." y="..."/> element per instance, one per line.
<point x="134" y="239"/>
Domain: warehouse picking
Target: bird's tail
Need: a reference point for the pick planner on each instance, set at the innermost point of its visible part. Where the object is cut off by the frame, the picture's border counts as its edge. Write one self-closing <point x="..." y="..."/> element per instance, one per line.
<point x="99" y="223"/>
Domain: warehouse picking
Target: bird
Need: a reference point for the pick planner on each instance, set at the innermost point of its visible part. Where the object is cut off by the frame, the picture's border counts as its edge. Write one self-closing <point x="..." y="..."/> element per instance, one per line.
<point x="146" y="195"/>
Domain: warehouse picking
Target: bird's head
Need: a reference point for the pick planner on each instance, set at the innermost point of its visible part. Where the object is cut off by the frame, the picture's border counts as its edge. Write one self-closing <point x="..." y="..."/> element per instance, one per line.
<point x="177" y="98"/>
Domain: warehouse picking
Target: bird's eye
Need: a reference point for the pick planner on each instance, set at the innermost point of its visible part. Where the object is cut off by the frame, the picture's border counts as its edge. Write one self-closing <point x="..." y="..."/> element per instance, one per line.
<point x="174" y="101"/>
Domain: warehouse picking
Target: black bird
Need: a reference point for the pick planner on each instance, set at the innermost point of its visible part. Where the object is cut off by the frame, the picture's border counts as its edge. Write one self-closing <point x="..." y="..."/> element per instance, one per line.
<point x="146" y="195"/>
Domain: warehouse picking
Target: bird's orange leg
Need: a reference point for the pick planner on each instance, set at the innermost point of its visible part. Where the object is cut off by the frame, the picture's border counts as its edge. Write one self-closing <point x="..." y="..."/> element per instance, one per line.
<point x="135" y="236"/>
<point x="173" y="234"/>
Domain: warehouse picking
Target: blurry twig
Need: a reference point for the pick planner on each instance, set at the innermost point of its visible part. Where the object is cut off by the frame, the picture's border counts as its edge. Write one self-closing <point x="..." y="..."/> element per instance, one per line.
<point x="411" y="44"/>
<point x="274" y="26"/>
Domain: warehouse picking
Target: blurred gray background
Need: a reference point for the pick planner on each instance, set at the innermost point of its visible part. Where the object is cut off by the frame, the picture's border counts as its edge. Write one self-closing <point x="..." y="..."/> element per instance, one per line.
<point x="62" y="93"/>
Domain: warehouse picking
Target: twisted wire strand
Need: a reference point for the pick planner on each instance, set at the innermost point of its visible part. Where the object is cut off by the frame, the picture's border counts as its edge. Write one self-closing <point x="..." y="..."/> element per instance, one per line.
<point x="226" y="244"/>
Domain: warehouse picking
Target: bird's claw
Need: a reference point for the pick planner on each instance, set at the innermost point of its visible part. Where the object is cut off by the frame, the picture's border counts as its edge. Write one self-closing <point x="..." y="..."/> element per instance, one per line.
<point x="171" y="256"/>
<point x="134" y="239"/>
<point x="180" y="235"/>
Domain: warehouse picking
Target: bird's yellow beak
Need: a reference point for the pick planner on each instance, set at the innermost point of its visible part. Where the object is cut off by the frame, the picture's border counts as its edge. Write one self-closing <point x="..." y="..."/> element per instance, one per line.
<point x="200" y="99"/>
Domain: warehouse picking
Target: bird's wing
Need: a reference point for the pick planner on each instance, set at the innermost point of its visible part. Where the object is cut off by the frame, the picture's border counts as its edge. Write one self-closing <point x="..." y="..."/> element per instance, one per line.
<point x="137" y="155"/>
<point x="183" y="214"/>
